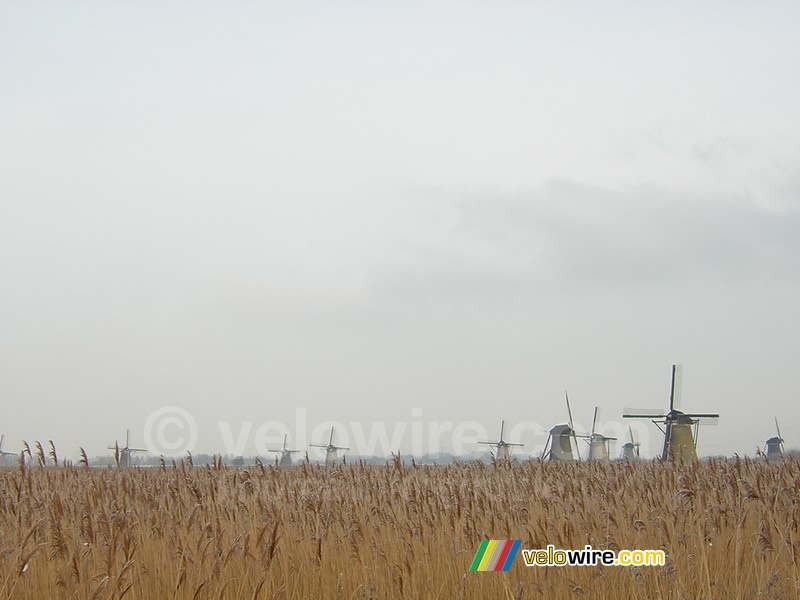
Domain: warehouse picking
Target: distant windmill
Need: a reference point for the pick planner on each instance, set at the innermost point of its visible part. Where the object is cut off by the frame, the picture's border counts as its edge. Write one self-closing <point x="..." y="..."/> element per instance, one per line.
<point x="122" y="456"/>
<point x="775" y="445"/>
<point x="559" y="443"/>
<point x="331" y="451"/>
<point x="286" y="454"/>
<point x="630" y="450"/>
<point x="3" y="453"/>
<point x="503" y="448"/>
<point x="598" y="443"/>
<point x="680" y="441"/>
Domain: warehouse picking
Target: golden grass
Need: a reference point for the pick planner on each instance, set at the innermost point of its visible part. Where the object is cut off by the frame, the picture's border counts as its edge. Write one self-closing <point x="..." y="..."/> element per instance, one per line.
<point x="730" y="530"/>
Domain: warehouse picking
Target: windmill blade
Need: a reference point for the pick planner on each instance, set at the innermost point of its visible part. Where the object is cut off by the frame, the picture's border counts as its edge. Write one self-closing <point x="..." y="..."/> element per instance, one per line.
<point x="2" y="437"/>
<point x="780" y="437"/>
<point x="642" y="413"/>
<point x="630" y="431"/>
<point x="502" y="427"/>
<point x="569" y="410"/>
<point x="546" y="444"/>
<point x="330" y="443"/>
<point x="572" y="428"/>
<point x="677" y="386"/>
<point x="709" y="416"/>
<point x="594" y="421"/>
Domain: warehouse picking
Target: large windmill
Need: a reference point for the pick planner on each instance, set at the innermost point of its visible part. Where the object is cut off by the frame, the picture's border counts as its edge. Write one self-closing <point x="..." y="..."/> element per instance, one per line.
<point x="598" y="443"/>
<point x="680" y="429"/>
<point x="286" y="454"/>
<point x="502" y="448"/>
<point x="630" y="450"/>
<point x="559" y="442"/>
<point x="3" y="453"/>
<point x="122" y="455"/>
<point x="331" y="451"/>
<point x="775" y="445"/>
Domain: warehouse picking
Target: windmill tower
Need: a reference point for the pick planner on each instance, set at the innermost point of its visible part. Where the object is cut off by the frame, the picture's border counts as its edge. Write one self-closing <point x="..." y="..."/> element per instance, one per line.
<point x="559" y="442"/>
<point x="122" y="456"/>
<point x="775" y="445"/>
<point x="598" y="443"/>
<point x="331" y="451"/>
<point x="286" y="454"/>
<point x="630" y="450"/>
<point x="3" y="453"/>
<point x="680" y="429"/>
<point x="502" y="448"/>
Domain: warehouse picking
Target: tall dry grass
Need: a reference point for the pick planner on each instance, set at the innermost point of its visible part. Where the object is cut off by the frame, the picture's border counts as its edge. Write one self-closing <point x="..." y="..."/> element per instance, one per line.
<point x="730" y="530"/>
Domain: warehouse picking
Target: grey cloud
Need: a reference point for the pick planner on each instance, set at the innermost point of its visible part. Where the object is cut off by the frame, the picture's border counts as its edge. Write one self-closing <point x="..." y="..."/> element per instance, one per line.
<point x="722" y="150"/>
<point x="568" y="235"/>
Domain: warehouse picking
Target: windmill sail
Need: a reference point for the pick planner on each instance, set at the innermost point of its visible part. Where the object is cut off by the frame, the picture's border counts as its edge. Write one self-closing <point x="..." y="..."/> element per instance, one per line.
<point x="285" y="459"/>
<point x="122" y="455"/>
<point x="561" y="438"/>
<point x="679" y="438"/>
<point x="502" y="447"/>
<point x="630" y="449"/>
<point x="598" y="443"/>
<point x="572" y="426"/>
<point x="775" y="444"/>
<point x="331" y="451"/>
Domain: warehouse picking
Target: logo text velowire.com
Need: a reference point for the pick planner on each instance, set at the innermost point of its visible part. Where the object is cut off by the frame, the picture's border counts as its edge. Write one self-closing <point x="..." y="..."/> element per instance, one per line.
<point x="498" y="555"/>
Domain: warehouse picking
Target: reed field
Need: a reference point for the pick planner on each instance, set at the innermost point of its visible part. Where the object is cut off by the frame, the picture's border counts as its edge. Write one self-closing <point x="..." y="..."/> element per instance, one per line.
<point x="729" y="529"/>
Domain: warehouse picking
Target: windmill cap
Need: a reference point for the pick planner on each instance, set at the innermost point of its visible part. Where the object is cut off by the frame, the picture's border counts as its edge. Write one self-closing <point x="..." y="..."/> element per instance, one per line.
<point x="561" y="430"/>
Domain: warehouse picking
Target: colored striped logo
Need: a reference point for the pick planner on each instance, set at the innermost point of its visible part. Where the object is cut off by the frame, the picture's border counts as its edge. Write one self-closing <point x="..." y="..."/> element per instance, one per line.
<point x="495" y="555"/>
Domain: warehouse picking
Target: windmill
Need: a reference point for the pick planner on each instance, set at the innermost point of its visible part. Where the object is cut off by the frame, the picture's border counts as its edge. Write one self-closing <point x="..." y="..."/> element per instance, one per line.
<point x="331" y="451"/>
<point x="680" y="441"/>
<point x="123" y="455"/>
<point x="286" y="454"/>
<point x="559" y="442"/>
<point x="775" y="445"/>
<point x="630" y="450"/>
<point x="503" y="448"/>
<point x="3" y="453"/>
<point x="598" y="443"/>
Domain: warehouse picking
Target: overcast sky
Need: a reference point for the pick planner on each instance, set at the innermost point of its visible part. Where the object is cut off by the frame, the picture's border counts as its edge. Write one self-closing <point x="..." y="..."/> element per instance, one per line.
<point x="359" y="209"/>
